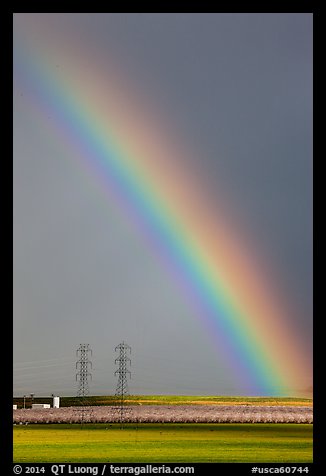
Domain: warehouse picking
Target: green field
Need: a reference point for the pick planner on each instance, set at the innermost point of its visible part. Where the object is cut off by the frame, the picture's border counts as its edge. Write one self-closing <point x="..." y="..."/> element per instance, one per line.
<point x="160" y="443"/>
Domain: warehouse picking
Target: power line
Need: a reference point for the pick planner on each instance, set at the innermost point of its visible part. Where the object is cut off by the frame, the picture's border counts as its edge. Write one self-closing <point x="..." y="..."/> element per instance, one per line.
<point x="82" y="376"/>
<point x="122" y="387"/>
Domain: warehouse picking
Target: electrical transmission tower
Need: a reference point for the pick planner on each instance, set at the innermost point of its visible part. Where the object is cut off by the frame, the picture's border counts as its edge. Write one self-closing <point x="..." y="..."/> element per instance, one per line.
<point x="122" y="387"/>
<point x="82" y="376"/>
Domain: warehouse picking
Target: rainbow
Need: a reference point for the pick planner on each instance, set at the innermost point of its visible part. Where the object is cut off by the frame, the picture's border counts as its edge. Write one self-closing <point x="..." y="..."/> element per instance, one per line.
<point x="127" y="148"/>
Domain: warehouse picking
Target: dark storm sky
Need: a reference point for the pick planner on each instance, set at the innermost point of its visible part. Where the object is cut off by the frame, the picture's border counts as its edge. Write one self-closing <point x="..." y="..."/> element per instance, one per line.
<point x="240" y="88"/>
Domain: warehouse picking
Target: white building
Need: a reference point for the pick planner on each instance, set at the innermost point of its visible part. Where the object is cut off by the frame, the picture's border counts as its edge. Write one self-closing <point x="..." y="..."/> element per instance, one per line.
<point x="56" y="402"/>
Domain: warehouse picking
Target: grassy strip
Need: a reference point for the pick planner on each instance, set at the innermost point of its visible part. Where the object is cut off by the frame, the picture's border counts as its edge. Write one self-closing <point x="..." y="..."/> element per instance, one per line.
<point x="179" y="443"/>
<point x="171" y="400"/>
